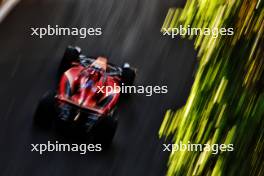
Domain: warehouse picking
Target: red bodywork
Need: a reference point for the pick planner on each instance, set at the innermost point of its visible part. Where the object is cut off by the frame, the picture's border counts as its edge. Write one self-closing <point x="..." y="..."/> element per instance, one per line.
<point x="85" y="87"/>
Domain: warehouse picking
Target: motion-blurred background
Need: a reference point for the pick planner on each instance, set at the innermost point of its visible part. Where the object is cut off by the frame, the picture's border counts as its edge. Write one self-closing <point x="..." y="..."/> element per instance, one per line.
<point x="131" y="32"/>
<point x="215" y="85"/>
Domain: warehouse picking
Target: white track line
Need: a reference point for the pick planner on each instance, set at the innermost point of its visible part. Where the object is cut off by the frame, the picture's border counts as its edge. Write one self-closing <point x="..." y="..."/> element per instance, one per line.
<point x="6" y="7"/>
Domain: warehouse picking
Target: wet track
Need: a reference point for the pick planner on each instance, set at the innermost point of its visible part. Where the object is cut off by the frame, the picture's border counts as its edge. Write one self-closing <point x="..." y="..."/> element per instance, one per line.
<point x="131" y="32"/>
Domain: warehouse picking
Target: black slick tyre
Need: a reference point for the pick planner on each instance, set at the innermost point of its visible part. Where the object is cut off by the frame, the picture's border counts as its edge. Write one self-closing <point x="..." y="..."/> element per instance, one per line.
<point x="45" y="111"/>
<point x="71" y="55"/>
<point x="105" y="132"/>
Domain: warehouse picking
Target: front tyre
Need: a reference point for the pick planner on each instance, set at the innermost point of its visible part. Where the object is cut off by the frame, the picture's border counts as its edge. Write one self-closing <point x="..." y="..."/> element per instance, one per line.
<point x="71" y="55"/>
<point x="128" y="75"/>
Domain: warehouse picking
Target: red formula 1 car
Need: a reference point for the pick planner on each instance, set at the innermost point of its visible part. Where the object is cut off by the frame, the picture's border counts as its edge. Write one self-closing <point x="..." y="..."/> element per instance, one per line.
<point x="86" y="97"/>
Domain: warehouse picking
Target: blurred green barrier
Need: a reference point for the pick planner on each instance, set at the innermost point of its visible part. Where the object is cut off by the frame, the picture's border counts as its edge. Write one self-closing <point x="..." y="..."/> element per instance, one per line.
<point x="226" y="103"/>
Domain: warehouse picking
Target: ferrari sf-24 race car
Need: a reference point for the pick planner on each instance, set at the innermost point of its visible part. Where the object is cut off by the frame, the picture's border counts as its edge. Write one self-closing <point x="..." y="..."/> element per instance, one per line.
<point x="77" y="104"/>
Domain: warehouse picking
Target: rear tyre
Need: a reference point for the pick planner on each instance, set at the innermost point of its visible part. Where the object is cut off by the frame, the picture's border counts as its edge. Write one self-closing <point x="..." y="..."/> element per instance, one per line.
<point x="128" y="75"/>
<point x="45" y="112"/>
<point x="71" y="55"/>
<point x="105" y="132"/>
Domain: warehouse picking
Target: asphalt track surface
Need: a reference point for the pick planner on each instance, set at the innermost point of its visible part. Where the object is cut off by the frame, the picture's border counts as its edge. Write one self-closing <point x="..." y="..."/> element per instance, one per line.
<point x="131" y="32"/>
